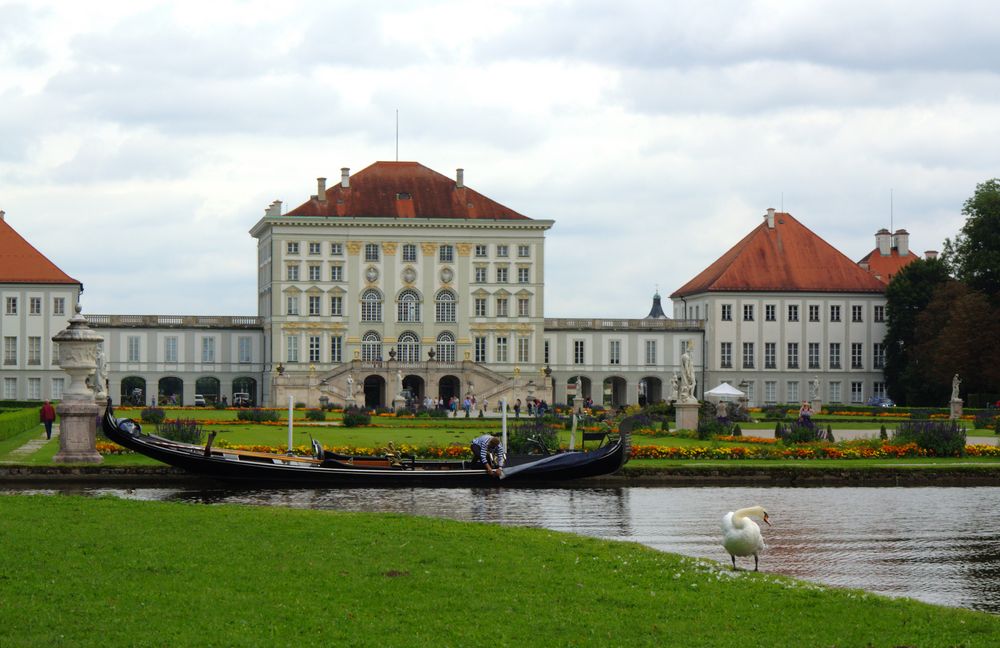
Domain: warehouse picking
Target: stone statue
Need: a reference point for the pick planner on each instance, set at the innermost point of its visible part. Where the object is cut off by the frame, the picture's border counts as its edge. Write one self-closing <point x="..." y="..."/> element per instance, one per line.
<point x="814" y="388"/>
<point x="687" y="386"/>
<point x="100" y="373"/>
<point x="673" y="388"/>
<point x="350" y="385"/>
<point x="399" y="383"/>
<point x="955" y="382"/>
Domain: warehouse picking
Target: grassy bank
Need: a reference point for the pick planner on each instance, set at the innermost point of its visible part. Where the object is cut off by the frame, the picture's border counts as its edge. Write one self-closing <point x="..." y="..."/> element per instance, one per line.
<point x="141" y="573"/>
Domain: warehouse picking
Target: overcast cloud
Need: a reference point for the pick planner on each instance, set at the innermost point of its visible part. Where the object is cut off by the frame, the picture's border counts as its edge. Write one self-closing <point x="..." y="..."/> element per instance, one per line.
<point x="139" y="141"/>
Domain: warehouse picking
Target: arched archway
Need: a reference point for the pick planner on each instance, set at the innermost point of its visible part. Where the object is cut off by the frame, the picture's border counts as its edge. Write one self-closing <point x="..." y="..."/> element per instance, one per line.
<point x="133" y="391"/>
<point x="374" y="391"/>
<point x="210" y="388"/>
<point x="581" y="387"/>
<point x="170" y="391"/>
<point x="244" y="392"/>
<point x="614" y="392"/>
<point x="449" y="386"/>
<point x="415" y="386"/>
<point x="650" y="390"/>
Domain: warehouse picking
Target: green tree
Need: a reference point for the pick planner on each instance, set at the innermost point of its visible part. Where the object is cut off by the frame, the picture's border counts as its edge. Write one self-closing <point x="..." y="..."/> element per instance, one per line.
<point x="974" y="254"/>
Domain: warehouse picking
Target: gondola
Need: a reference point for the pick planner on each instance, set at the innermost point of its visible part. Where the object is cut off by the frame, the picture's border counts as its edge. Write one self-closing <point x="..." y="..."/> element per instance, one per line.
<point x="325" y="468"/>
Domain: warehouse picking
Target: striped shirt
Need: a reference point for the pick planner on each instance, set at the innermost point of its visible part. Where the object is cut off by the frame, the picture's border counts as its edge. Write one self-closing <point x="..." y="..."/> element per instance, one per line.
<point x="482" y="443"/>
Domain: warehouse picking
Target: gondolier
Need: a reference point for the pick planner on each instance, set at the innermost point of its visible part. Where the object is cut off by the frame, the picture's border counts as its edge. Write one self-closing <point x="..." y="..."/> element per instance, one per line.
<point x="488" y="451"/>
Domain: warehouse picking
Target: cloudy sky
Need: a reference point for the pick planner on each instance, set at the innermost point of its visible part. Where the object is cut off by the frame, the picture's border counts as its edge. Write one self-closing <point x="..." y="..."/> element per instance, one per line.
<point x="140" y="140"/>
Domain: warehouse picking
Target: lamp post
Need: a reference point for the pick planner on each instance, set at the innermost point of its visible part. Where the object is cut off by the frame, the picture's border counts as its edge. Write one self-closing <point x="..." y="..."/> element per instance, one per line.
<point x="77" y="410"/>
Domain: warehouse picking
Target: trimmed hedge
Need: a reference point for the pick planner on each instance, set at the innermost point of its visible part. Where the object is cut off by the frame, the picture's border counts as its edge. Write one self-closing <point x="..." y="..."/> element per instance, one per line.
<point x="15" y="422"/>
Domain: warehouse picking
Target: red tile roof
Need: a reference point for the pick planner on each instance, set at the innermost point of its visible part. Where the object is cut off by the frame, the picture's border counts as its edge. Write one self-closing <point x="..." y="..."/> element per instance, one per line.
<point x="788" y="258"/>
<point x="885" y="268"/>
<point x="22" y="263"/>
<point x="404" y="190"/>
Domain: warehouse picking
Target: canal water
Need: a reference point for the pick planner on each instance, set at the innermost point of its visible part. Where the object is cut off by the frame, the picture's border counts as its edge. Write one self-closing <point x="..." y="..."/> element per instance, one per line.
<point x="933" y="544"/>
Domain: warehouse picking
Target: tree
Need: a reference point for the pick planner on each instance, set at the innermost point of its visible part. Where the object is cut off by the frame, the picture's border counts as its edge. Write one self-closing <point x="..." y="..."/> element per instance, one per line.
<point x="974" y="255"/>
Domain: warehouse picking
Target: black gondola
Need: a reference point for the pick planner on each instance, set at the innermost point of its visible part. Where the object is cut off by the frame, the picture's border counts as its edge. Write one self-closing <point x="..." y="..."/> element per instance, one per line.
<point x="326" y="468"/>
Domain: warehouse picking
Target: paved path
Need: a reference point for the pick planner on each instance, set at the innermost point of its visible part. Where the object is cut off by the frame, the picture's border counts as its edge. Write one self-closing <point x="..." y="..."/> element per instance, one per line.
<point x="846" y="435"/>
<point x="34" y="444"/>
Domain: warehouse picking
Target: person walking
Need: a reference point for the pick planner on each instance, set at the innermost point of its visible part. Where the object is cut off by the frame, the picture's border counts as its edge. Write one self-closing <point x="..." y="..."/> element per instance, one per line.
<point x="47" y="415"/>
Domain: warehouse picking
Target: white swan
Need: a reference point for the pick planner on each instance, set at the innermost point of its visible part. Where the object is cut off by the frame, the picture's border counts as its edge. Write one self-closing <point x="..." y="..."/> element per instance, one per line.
<point x="741" y="535"/>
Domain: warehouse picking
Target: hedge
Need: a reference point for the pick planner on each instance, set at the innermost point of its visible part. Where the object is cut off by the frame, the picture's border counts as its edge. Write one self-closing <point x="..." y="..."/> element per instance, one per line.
<point x="18" y="421"/>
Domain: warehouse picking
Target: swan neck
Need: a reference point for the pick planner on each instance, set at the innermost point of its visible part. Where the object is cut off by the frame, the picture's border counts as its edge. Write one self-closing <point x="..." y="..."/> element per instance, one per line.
<point x="747" y="512"/>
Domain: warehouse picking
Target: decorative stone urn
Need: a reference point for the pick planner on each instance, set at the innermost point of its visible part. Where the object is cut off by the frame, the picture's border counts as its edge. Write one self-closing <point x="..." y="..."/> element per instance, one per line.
<point x="77" y="411"/>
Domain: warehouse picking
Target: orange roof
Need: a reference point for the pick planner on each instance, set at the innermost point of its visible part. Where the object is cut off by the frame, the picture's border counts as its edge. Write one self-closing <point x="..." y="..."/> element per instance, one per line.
<point x="404" y="190"/>
<point x="22" y="263"/>
<point x="885" y="268"/>
<point x="788" y="258"/>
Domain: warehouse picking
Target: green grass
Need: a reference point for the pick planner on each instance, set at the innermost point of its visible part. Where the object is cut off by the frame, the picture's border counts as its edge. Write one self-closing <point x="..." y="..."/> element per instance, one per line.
<point x="167" y="574"/>
<point x="820" y="464"/>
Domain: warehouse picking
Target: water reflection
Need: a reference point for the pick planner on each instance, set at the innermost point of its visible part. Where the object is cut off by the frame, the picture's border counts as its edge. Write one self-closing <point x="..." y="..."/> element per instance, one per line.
<point x="933" y="544"/>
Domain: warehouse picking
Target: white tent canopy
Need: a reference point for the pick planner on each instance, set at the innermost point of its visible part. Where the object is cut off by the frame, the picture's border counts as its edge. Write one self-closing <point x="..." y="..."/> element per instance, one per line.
<point x="724" y="391"/>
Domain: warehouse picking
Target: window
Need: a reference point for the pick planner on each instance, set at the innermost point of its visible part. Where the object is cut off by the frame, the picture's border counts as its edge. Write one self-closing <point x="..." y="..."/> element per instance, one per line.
<point x="34" y="306"/>
<point x="879" y="314"/>
<point x="34" y="350"/>
<point x="578" y="356"/>
<point x="10" y="350"/>
<point x="336" y="272"/>
<point x="244" y="349"/>
<point x="446" y="254"/>
<point x="409" y="252"/>
<point x="878" y="389"/>
<point x="792" y="389"/>
<point x="292" y="305"/>
<point x="726" y="355"/>
<point x="132" y="348"/>
<point x="856" y="313"/>
<point x="58" y="385"/>
<point x="336" y="349"/>
<point x="522" y="349"/>
<point x="748" y="355"/>
<point x="501" y="250"/>
<point x="336" y="249"/>
<point x="314" y="272"/>
<point x="501" y="348"/>
<point x="813" y="355"/>
<point x="11" y="306"/>
<point x="813" y="312"/>
<point x="408" y="307"/>
<point x="371" y="347"/>
<point x="314" y="247"/>
<point x="444" y="307"/>
<point x="857" y="392"/>
<point x="208" y="349"/>
<point x="315" y="309"/>
<point x="523" y="307"/>
<point x="770" y="355"/>
<point x="480" y="349"/>
<point x="747" y="312"/>
<point x="545" y="351"/>
<point x="292" y="248"/>
<point x="55" y="353"/>
<point x="34" y="388"/>
<point x="314" y="341"/>
<point x="59" y="306"/>
<point x="650" y="352"/>
<point x="502" y="307"/>
<point x="371" y="306"/>
<point x="727" y="312"/>
<point x="292" y="273"/>
<point x="857" y="356"/>
<point x="479" y="274"/>
<point x="523" y="251"/>
<point x="834" y="313"/>
<point x="446" y="347"/>
<point x="336" y="305"/>
<point x="10" y="388"/>
<point x="835" y="355"/>
<point x="481" y="251"/>
<point x="878" y="356"/>
<point x="502" y="274"/>
<point x="793" y="313"/>
<point x="793" y="356"/>
<point x="835" y="396"/>
<point x="770" y="391"/>
<point x="480" y="310"/>
<point x="292" y="346"/>
<point x="522" y="275"/>
<point x="769" y="310"/>
<point x="408" y="347"/>
<point x="170" y="349"/>
<point x="614" y="352"/>
<point x="371" y="252"/>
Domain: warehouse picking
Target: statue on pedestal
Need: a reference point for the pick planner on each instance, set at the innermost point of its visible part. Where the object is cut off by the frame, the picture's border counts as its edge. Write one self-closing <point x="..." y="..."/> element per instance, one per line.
<point x="955" y="382"/>
<point x="814" y="388"/>
<point x="687" y="386"/>
<point x="673" y="388"/>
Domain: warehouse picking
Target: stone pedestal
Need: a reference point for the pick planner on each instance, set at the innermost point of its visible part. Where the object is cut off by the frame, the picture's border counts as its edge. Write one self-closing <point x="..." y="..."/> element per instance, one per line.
<point x="398" y="403"/>
<point x="816" y="405"/>
<point x="956" y="409"/>
<point x="578" y="404"/>
<point x="78" y="413"/>
<point x="77" y="432"/>
<point x="687" y="416"/>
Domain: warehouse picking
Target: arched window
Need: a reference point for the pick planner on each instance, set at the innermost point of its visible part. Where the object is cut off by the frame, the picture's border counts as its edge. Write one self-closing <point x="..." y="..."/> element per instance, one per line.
<point x="371" y="346"/>
<point x="445" y="306"/>
<point x="408" y="306"/>
<point x="371" y="306"/>
<point x="408" y="347"/>
<point x="446" y="347"/>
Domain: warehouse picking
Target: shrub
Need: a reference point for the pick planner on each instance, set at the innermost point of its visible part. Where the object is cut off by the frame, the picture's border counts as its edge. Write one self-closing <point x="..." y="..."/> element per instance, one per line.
<point x="300" y="405"/>
<point x="16" y="421"/>
<point x="829" y="433"/>
<point x="218" y="405"/>
<point x="153" y="415"/>
<point x="183" y="430"/>
<point x="882" y="434"/>
<point x="796" y="432"/>
<point x="526" y="437"/>
<point x="256" y="415"/>
<point x="940" y="438"/>
<point x="437" y="413"/>
<point x="986" y="419"/>
<point x="736" y="431"/>
<point x="315" y="415"/>
<point x="707" y="428"/>
<point x="354" y="416"/>
<point x="774" y="412"/>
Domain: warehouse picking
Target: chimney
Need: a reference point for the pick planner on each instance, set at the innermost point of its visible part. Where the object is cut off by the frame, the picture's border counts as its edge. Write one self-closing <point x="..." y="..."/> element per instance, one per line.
<point x="2" y="214"/>
<point x="901" y="241"/>
<point x="883" y="240"/>
<point x="321" y="189"/>
<point x="930" y="255"/>
<point x="460" y="178"/>
<point x="345" y="177"/>
<point x="770" y="218"/>
<point x="274" y="209"/>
